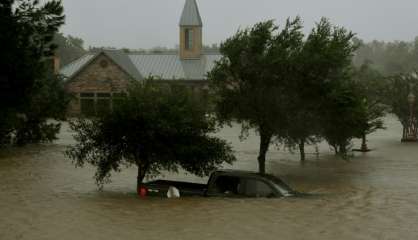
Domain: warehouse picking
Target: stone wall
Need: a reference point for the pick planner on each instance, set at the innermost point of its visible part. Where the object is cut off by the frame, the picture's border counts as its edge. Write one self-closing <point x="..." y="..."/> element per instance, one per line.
<point x="102" y="75"/>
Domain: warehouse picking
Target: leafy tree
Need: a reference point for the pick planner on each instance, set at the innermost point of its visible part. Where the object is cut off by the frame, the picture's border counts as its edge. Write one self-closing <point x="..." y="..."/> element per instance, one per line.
<point x="323" y="62"/>
<point x="153" y="128"/>
<point x="396" y="95"/>
<point x="76" y="41"/>
<point x="49" y="100"/>
<point x="69" y="48"/>
<point x="248" y="79"/>
<point x="287" y="88"/>
<point x="372" y="85"/>
<point x="344" y="116"/>
<point x="27" y="29"/>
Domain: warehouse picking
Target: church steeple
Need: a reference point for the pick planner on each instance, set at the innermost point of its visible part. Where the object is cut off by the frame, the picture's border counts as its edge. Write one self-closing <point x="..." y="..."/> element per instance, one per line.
<point x="190" y="31"/>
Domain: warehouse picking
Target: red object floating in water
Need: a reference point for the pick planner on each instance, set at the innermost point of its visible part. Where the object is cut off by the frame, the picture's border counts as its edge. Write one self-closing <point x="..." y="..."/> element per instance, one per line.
<point x="142" y="191"/>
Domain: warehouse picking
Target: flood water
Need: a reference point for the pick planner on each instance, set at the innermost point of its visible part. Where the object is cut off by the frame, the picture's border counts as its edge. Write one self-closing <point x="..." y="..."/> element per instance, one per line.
<point x="372" y="196"/>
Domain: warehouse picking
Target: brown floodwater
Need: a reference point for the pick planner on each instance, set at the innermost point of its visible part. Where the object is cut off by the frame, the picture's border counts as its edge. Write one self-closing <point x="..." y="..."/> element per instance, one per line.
<point x="372" y="196"/>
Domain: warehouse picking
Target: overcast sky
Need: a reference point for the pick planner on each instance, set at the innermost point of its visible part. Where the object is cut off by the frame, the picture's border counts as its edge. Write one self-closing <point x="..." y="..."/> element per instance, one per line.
<point x="149" y="23"/>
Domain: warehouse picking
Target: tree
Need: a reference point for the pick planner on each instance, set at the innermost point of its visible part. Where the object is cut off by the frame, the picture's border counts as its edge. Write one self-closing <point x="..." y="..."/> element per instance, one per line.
<point x="49" y="100"/>
<point x="27" y="29"/>
<point x="322" y="63"/>
<point x="372" y="85"/>
<point x="281" y="85"/>
<point x="69" y="48"/>
<point x="326" y="87"/>
<point x="153" y="128"/>
<point x="76" y="41"/>
<point x="396" y="95"/>
<point x="248" y="79"/>
<point x="344" y="116"/>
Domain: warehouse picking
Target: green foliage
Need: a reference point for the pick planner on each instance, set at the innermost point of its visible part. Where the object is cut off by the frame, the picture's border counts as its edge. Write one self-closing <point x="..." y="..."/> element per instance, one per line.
<point x="250" y="78"/>
<point x="372" y="85"/>
<point x="69" y="48"/>
<point x="155" y="128"/>
<point x="27" y="29"/>
<point x="396" y="95"/>
<point x="289" y="88"/>
<point x="49" y="100"/>
<point x="322" y="66"/>
<point x="343" y="117"/>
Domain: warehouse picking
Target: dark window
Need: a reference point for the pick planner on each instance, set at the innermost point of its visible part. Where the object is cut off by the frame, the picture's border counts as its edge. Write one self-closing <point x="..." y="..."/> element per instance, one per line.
<point x="103" y="106"/>
<point x="227" y="185"/>
<point x="93" y="104"/>
<point x="87" y="107"/>
<point x="189" y="38"/>
<point x="103" y="102"/>
<point x="256" y="188"/>
<point x="103" y="95"/>
<point x="87" y="95"/>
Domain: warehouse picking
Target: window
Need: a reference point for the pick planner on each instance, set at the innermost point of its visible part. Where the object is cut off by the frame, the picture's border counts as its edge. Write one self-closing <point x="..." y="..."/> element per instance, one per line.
<point x="227" y="185"/>
<point x="255" y="188"/>
<point x="189" y="39"/>
<point x="87" y="95"/>
<point x="103" y="103"/>
<point x="93" y="104"/>
<point x="87" y="104"/>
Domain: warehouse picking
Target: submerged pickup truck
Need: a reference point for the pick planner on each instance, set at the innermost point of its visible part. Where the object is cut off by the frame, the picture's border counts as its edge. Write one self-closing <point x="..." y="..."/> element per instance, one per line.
<point x="225" y="183"/>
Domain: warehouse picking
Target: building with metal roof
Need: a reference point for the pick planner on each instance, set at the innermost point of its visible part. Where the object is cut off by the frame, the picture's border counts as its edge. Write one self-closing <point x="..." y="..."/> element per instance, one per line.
<point x="167" y="66"/>
<point x="189" y="63"/>
<point x="96" y="77"/>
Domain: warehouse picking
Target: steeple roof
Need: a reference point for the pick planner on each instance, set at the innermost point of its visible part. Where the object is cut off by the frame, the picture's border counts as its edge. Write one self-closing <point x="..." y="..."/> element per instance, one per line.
<point x="190" y="15"/>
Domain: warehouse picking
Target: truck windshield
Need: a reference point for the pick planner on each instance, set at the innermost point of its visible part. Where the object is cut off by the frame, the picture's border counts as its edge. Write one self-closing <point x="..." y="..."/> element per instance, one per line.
<point x="284" y="189"/>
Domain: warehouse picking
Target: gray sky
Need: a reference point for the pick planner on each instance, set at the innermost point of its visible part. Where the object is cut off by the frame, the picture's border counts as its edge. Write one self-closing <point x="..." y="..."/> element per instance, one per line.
<point x="150" y="23"/>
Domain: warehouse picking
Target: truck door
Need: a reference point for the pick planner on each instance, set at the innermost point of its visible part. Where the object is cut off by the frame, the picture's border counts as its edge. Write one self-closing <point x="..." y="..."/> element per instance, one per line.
<point x="256" y="188"/>
<point x="225" y="186"/>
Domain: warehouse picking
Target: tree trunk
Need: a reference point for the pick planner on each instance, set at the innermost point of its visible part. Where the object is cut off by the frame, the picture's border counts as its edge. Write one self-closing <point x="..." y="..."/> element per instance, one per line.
<point x="142" y="171"/>
<point x="343" y="150"/>
<point x="336" y="149"/>
<point x="139" y="178"/>
<point x="264" y="147"/>
<point x="302" y="150"/>
<point x="364" y="147"/>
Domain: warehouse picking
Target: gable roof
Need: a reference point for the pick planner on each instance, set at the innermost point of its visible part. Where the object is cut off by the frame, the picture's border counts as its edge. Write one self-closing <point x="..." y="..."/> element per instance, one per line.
<point x="117" y="56"/>
<point x="122" y="59"/>
<point x="75" y="66"/>
<point x="166" y="65"/>
<point x="191" y="14"/>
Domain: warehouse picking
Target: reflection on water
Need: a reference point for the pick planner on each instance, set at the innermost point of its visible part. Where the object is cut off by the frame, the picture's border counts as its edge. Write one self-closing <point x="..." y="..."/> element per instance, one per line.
<point x="372" y="196"/>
